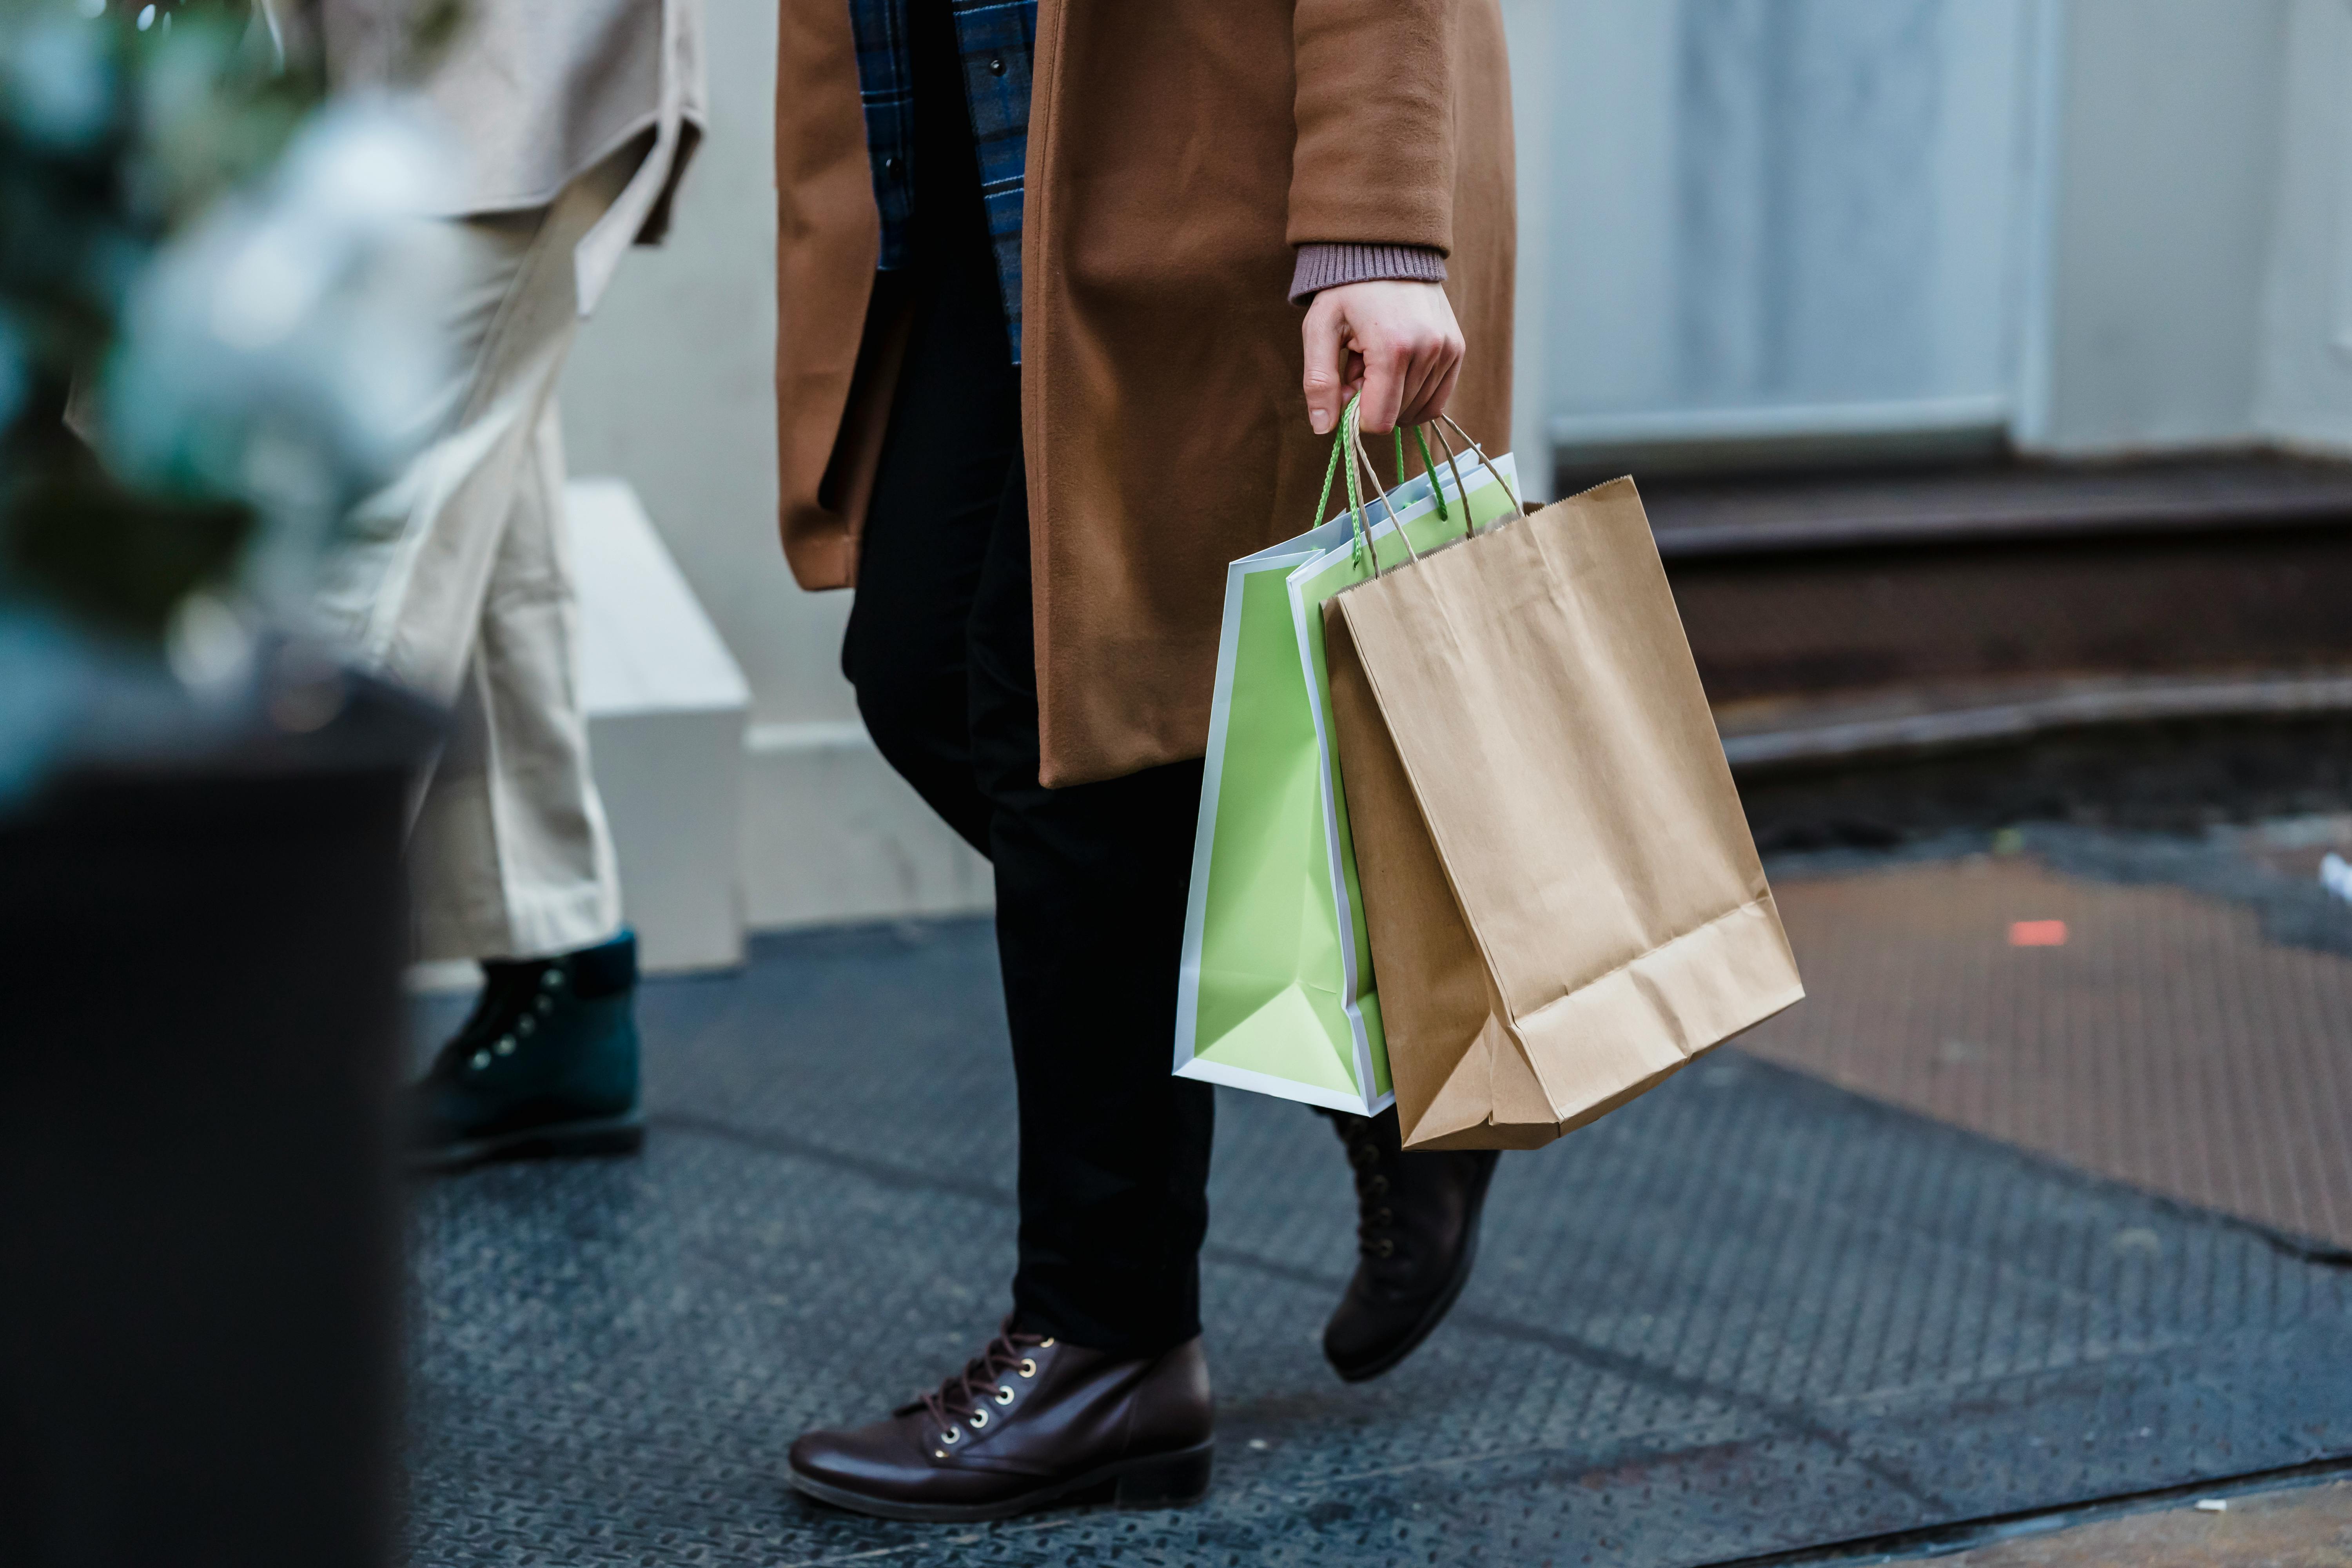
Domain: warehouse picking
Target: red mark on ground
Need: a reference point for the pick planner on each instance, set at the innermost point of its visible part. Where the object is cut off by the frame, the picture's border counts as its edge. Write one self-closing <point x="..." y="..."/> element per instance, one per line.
<point x="2037" y="934"/>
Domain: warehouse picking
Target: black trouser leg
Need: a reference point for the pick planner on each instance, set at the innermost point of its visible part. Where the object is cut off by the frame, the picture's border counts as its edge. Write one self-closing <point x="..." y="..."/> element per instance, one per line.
<point x="1090" y="892"/>
<point x="954" y="434"/>
<point x="1090" y="881"/>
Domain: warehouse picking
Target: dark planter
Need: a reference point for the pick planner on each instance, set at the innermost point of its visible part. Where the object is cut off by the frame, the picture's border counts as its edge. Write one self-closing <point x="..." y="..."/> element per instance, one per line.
<point x="200" y="1216"/>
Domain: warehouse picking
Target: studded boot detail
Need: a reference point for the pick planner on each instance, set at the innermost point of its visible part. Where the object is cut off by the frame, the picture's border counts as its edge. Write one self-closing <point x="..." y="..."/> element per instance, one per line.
<point x="1031" y="1422"/>
<point x="545" y="1066"/>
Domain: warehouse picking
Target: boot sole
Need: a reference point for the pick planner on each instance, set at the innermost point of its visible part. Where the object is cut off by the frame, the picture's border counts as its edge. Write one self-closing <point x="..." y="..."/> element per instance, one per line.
<point x="1158" y="1480"/>
<point x="560" y="1141"/>
<point x="1364" y="1372"/>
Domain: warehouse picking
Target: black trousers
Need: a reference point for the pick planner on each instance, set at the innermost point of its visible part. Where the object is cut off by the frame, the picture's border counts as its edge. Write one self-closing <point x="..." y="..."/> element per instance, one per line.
<point x="1090" y="880"/>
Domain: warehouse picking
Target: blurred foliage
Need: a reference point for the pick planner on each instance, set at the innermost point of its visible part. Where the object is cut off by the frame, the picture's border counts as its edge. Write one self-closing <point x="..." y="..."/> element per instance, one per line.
<point x="119" y="559"/>
<point x="118" y="124"/>
<point x="123" y="123"/>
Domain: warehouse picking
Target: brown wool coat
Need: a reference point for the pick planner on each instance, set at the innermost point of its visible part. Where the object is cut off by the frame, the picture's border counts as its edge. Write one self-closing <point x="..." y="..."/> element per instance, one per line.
<point x="1177" y="152"/>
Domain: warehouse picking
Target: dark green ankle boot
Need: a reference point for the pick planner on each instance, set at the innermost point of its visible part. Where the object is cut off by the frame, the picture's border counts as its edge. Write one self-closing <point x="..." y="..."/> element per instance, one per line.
<point x="545" y="1067"/>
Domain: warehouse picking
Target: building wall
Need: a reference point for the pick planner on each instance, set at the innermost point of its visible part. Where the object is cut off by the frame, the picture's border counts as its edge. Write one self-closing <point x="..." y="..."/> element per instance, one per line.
<point x="2171" y="134"/>
<point x="1766" y="217"/>
<point x="2305" y="394"/>
<point x="1537" y="95"/>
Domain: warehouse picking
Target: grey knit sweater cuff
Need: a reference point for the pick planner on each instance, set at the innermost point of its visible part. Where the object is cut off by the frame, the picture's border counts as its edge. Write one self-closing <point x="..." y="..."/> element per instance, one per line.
<point x="1322" y="266"/>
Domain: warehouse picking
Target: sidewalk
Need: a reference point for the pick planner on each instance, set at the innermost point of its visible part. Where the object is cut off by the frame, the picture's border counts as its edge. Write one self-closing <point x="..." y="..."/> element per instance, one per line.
<point x="2307" y="1528"/>
<point x="1753" y="1313"/>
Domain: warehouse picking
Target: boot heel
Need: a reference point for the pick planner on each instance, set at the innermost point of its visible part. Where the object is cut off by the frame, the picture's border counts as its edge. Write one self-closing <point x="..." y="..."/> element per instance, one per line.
<point x="1172" y="1482"/>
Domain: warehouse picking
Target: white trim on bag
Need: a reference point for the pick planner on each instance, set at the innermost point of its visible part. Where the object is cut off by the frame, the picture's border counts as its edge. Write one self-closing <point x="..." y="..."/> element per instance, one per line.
<point x="1278" y="557"/>
<point x="1206" y="1071"/>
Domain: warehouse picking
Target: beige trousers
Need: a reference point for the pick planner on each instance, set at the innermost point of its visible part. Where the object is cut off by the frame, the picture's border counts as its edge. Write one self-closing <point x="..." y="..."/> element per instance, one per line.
<point x="453" y="581"/>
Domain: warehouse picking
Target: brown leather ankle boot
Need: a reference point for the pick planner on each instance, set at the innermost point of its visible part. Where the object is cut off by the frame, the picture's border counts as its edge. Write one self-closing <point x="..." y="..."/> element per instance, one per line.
<point x="1029" y="1422"/>
<point x="1417" y="1236"/>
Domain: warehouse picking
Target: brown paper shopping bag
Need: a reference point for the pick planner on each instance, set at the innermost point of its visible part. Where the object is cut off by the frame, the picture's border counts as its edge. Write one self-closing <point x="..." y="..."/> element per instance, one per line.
<point x="1563" y="901"/>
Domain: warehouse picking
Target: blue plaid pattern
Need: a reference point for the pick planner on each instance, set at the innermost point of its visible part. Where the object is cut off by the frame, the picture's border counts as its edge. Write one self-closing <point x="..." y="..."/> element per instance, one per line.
<point x="995" y="38"/>
<point x="886" y="86"/>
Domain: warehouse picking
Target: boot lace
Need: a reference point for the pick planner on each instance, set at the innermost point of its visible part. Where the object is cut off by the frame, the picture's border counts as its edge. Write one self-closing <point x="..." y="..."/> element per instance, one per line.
<point x="968" y="1396"/>
<point x="514" y="1000"/>
<point x="1373" y="1216"/>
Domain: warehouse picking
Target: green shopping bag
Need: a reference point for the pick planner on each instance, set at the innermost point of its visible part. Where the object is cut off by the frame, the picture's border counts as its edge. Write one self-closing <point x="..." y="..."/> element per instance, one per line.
<point x="1276" y="990"/>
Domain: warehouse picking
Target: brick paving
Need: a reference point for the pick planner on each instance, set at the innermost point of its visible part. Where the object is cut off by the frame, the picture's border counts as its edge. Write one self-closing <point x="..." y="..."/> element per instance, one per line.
<point x="2310" y="1527"/>
<point x="2172" y="1039"/>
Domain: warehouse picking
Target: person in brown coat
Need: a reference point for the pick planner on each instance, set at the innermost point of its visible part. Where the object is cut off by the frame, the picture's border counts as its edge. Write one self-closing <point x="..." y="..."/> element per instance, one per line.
<point x="1040" y="267"/>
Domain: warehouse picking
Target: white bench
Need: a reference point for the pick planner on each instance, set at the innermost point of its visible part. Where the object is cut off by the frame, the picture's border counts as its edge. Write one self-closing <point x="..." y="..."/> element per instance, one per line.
<point x="666" y="708"/>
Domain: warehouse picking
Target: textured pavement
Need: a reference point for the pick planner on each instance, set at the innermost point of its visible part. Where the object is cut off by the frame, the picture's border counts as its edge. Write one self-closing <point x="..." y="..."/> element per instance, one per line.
<point x="1752" y="1312"/>
<point x="2190" y="1032"/>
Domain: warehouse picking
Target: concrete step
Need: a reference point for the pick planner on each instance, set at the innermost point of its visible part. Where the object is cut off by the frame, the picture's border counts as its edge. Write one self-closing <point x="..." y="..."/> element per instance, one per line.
<point x="667" y="709"/>
<point x="1788" y="733"/>
<point x="1801" y="586"/>
<point x="2159" y="643"/>
<point x="1749" y="515"/>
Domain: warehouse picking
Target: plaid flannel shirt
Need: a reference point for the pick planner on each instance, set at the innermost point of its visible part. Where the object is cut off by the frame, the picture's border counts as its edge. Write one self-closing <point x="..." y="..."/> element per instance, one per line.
<point x="995" y="38"/>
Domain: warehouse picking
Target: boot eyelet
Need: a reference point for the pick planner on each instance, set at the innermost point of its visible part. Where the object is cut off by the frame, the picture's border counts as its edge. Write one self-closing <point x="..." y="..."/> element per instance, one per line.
<point x="479" y="1060"/>
<point x="1384" y="1217"/>
<point x="938" y="1453"/>
<point x="505" y="1046"/>
<point x="1046" y="1343"/>
<point x="526" y="1024"/>
<point x="1004" y="1395"/>
<point x="1028" y="1367"/>
<point x="952" y="1435"/>
<point x="1387" y="1249"/>
<point x="547" y="1003"/>
<point x="978" y="1419"/>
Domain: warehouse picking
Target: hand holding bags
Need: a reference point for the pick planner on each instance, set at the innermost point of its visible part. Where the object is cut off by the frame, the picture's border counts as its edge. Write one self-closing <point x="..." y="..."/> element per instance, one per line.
<point x="1564" y="903"/>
